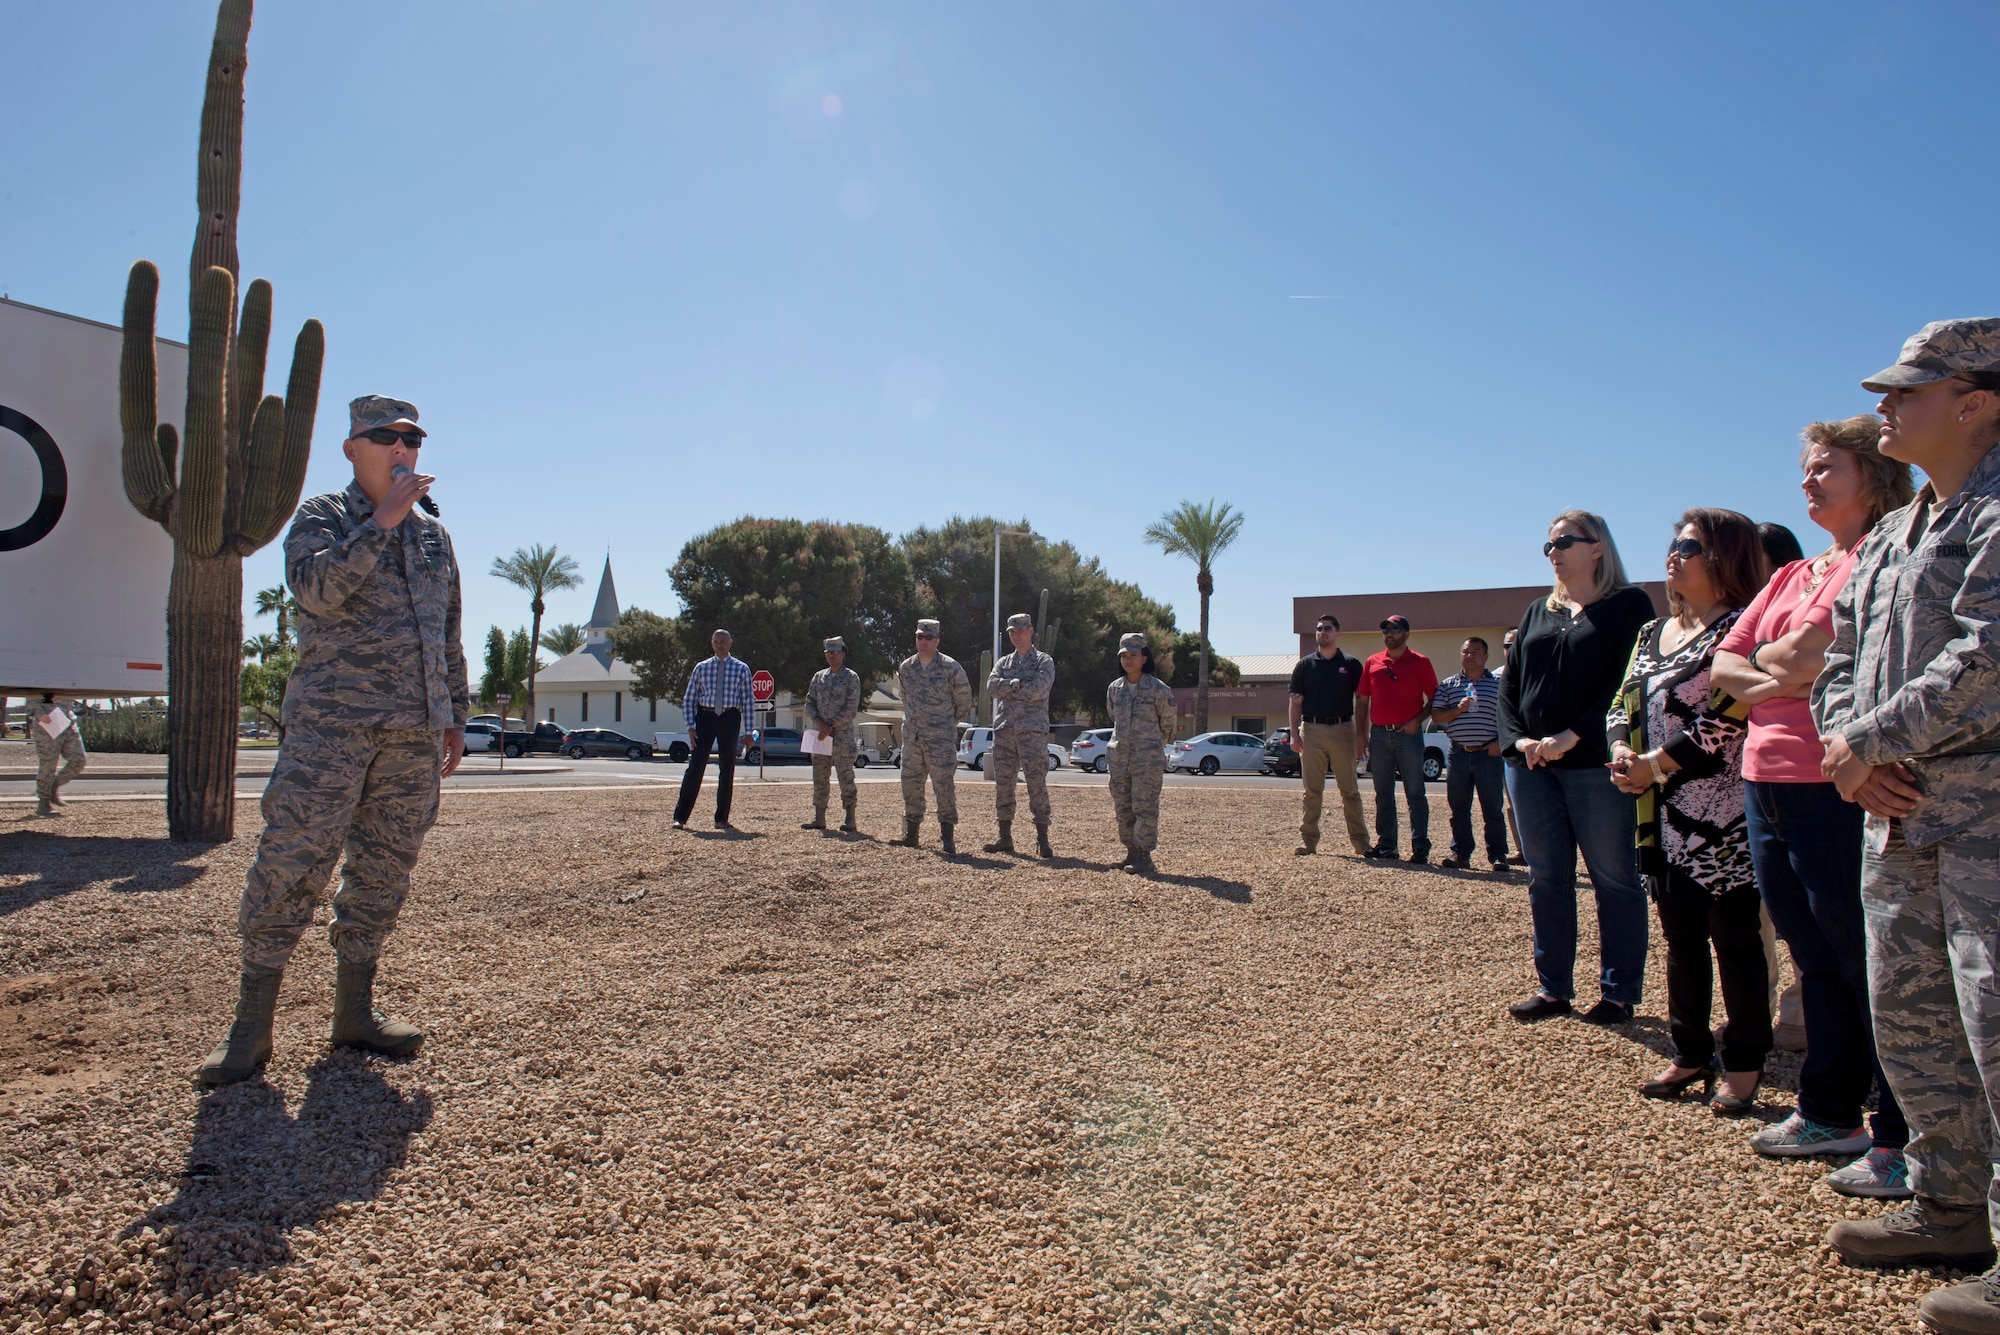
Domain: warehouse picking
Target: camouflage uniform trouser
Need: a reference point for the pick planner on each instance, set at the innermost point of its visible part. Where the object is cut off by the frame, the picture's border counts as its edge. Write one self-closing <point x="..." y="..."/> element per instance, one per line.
<point x="371" y="793"/>
<point x="48" y="750"/>
<point x="1135" y="793"/>
<point x="1933" y="924"/>
<point x="1026" y="751"/>
<point x="937" y="757"/>
<point x="841" y="762"/>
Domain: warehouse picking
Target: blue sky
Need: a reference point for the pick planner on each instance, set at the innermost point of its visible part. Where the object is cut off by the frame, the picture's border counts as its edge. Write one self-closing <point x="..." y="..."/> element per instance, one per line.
<point x="646" y="268"/>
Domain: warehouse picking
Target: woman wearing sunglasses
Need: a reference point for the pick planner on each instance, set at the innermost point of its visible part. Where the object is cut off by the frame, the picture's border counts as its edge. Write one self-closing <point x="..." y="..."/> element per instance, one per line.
<point x="1683" y="760"/>
<point x="1567" y="659"/>
<point x="1804" y="840"/>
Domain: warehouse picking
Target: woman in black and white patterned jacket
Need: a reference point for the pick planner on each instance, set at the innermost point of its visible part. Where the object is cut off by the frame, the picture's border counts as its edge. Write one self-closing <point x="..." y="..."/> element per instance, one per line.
<point x="1680" y="752"/>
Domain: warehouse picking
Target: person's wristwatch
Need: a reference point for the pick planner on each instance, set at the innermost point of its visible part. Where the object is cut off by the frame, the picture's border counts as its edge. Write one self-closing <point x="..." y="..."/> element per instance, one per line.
<point x="1756" y="649"/>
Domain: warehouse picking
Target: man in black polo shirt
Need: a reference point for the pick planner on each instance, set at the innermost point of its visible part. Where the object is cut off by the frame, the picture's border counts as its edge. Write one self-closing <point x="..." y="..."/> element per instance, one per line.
<point x="1322" y="719"/>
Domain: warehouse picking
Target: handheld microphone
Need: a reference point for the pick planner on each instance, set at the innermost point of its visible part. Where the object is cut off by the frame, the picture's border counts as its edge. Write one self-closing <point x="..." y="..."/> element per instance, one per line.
<point x="430" y="506"/>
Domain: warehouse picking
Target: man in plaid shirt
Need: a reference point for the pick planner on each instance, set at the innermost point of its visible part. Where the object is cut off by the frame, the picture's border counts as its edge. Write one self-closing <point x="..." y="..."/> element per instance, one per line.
<point x="716" y="701"/>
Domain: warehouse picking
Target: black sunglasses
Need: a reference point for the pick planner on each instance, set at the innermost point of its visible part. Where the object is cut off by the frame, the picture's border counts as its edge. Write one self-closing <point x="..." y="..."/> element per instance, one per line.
<point x="1685" y="548"/>
<point x="383" y="435"/>
<point x="1564" y="543"/>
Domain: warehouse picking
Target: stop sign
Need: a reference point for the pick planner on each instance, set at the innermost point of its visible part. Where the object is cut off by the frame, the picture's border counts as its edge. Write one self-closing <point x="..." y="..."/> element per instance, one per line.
<point x="763" y="685"/>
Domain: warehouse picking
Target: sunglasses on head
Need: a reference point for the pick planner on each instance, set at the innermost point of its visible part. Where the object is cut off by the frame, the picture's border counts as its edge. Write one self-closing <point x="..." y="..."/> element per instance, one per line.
<point x="1685" y="548"/>
<point x="383" y="435"/>
<point x="1564" y="543"/>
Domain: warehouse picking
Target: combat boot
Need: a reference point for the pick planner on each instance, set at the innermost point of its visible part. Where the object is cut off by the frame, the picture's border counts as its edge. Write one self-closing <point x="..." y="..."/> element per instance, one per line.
<point x="1924" y="1232"/>
<point x="910" y="831"/>
<point x="42" y="808"/>
<point x="356" y="1022"/>
<point x="944" y="837"/>
<point x="1005" y="843"/>
<point x="1126" y="861"/>
<point x="247" y="1045"/>
<point x="848" y="826"/>
<point x="818" y="822"/>
<point x="1972" y="1308"/>
<point x="1141" y="864"/>
<point x="1042" y="842"/>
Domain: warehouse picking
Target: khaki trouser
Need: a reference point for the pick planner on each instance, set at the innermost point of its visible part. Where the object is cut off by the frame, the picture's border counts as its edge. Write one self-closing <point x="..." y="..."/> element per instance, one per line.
<point x="1330" y="746"/>
<point x="1024" y="751"/>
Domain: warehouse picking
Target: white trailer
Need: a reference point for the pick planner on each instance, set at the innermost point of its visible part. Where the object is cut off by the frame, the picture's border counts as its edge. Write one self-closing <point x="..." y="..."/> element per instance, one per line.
<point x="83" y="576"/>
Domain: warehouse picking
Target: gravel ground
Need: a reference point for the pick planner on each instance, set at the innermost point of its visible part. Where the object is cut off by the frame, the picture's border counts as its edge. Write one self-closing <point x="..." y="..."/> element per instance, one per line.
<point x="694" y="1083"/>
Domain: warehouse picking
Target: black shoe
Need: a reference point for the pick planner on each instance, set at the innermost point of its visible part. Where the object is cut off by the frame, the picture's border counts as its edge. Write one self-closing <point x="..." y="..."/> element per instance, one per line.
<point x="1728" y="1105"/>
<point x="1420" y="855"/>
<point x="1607" y="1013"/>
<point x="1456" y="861"/>
<point x="1381" y="851"/>
<point x="1538" y="1007"/>
<point x="1673" y="1089"/>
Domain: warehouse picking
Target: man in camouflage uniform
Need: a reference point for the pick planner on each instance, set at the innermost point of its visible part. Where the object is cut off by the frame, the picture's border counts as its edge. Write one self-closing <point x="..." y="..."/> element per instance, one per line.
<point x="833" y="702"/>
<point x="1909" y="705"/>
<point x="936" y="698"/>
<point x="1020" y="684"/>
<point x="374" y="716"/>
<point x="66" y="746"/>
<point x="1142" y="720"/>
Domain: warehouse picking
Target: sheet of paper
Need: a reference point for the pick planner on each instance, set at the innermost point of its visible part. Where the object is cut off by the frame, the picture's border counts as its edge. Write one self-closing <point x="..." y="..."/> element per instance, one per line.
<point x="55" y="722"/>
<point x="816" y="743"/>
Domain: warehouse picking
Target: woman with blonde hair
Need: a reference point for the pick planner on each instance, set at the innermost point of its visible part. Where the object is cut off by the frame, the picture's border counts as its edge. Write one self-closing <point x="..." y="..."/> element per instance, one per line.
<point x="1569" y="656"/>
<point x="1804" y="840"/>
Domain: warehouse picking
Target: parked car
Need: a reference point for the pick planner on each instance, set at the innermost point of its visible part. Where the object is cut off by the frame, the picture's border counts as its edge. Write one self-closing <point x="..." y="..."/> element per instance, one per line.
<point x="1279" y="758"/>
<point x="481" y="736"/>
<point x="544" y="736"/>
<point x="1213" y="752"/>
<point x="673" y="744"/>
<point x="1437" y="747"/>
<point x="974" y="743"/>
<point x="773" y="746"/>
<point x="512" y="724"/>
<point x="604" y="742"/>
<point x="1092" y="750"/>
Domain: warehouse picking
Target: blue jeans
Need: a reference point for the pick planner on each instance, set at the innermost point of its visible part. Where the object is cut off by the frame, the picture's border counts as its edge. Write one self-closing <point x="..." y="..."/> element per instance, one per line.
<point x="1392" y="753"/>
<point x="1470" y="772"/>
<point x="1561" y="811"/>
<point x="1806" y="845"/>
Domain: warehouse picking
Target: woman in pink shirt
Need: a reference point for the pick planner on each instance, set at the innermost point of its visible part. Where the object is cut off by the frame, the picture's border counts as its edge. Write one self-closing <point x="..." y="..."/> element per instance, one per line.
<point x="1805" y="841"/>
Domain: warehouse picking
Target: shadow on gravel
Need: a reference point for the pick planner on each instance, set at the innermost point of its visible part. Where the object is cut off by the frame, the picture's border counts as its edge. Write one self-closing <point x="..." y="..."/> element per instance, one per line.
<point x="1235" y="892"/>
<point x="255" y="1172"/>
<point x="55" y="865"/>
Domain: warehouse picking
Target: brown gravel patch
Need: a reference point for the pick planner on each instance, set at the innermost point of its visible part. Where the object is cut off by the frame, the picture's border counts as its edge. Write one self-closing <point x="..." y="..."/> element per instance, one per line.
<point x="793" y="1081"/>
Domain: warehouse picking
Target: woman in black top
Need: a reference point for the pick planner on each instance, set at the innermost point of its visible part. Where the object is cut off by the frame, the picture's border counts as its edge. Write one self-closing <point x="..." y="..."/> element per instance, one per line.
<point x="1568" y="659"/>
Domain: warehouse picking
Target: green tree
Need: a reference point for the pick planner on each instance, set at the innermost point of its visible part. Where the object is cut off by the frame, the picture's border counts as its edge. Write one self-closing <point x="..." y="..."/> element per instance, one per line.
<point x="564" y="639"/>
<point x="261" y="647"/>
<point x="539" y="571"/>
<point x="655" y="647"/>
<point x="953" y="568"/>
<point x="263" y="687"/>
<point x="1187" y="658"/>
<point x="521" y="667"/>
<point x="494" y="680"/>
<point x="277" y="601"/>
<point x="1200" y="533"/>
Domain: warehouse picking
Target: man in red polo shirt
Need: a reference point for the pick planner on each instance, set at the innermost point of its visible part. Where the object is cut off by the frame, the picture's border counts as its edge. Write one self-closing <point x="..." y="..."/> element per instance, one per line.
<point x="1391" y="706"/>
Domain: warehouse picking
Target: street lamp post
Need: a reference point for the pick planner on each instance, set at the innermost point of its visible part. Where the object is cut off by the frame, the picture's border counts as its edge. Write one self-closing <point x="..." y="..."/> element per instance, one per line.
<point x="504" y="701"/>
<point x="999" y="645"/>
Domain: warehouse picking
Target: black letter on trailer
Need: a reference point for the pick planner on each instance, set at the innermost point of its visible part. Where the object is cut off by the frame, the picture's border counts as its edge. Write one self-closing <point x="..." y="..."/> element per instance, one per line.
<point x="55" y="482"/>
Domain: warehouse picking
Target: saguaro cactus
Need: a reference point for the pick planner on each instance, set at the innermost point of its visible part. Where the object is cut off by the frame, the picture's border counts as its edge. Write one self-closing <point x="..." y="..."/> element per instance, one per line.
<point x="232" y="484"/>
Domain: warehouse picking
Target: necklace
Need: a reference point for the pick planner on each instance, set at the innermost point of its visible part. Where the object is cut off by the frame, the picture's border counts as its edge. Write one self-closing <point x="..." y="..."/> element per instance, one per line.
<point x="1816" y="572"/>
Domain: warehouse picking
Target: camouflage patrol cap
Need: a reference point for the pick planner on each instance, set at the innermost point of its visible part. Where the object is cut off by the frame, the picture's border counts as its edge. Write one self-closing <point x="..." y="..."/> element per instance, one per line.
<point x="379" y="410"/>
<point x="1939" y="351"/>
<point x="833" y="642"/>
<point x="1133" y="642"/>
<point x="1020" y="621"/>
<point x="927" y="627"/>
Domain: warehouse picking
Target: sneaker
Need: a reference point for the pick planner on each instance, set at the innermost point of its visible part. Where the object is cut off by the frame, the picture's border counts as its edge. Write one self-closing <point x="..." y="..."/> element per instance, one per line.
<point x="1799" y="1137"/>
<point x="1607" y="1013"/>
<point x="1381" y="851"/>
<point x="1923" y="1232"/>
<point x="1971" y="1308"/>
<point x="1882" y="1174"/>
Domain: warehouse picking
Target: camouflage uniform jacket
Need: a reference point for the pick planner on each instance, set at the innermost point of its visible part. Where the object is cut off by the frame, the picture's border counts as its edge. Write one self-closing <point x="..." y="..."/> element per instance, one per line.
<point x="379" y="634"/>
<point x="935" y="695"/>
<point x="1142" y="720"/>
<point x="1020" y="687"/>
<point x="1913" y="673"/>
<point x="834" y="698"/>
<point x="39" y="710"/>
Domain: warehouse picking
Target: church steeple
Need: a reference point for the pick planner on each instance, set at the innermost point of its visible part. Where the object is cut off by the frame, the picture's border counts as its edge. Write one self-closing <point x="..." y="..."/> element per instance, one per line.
<point x="604" y="616"/>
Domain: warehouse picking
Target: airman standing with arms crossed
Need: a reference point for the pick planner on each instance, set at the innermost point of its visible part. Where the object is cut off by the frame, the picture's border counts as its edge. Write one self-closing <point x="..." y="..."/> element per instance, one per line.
<point x="1142" y="721"/>
<point x="937" y="696"/>
<point x="65" y="744"/>
<point x="374" y="718"/>
<point x="833" y="702"/>
<point x="1020" y="686"/>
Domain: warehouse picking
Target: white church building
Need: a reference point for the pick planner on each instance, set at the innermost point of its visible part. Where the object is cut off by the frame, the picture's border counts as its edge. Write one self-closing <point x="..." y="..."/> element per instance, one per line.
<point x="591" y="688"/>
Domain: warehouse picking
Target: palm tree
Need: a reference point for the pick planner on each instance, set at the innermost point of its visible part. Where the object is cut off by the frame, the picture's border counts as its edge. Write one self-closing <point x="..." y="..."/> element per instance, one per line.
<point x="262" y="647"/>
<point x="278" y="601"/>
<point x="1200" y="533"/>
<point x="564" y="639"/>
<point x="540" y="571"/>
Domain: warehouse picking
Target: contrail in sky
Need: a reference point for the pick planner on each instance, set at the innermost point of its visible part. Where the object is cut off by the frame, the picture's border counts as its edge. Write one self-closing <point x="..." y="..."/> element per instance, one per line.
<point x="1297" y="297"/>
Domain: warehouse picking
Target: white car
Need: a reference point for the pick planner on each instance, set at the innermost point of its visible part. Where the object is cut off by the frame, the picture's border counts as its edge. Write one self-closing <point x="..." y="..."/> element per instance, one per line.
<point x="974" y="743"/>
<point x="1214" y="752"/>
<point x="1437" y="750"/>
<point x="1092" y="750"/>
<point x="481" y="736"/>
